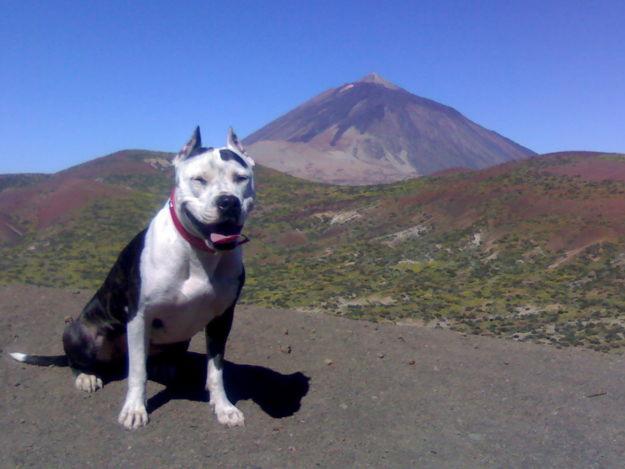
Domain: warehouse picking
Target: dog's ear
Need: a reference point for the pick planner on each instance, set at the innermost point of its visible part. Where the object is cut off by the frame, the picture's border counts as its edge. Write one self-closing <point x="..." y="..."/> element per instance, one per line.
<point x="235" y="145"/>
<point x="194" y="144"/>
<point x="233" y="142"/>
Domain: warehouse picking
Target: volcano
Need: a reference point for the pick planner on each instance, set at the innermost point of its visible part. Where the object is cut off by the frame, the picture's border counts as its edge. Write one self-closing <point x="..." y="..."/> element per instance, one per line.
<point x="372" y="131"/>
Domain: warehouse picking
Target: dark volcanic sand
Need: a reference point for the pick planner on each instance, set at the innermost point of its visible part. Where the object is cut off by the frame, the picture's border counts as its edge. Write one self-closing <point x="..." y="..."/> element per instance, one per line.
<point x="378" y="395"/>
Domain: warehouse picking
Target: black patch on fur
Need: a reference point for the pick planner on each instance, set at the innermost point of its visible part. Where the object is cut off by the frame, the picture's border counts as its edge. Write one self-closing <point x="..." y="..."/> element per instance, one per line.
<point x="199" y="151"/>
<point x="116" y="302"/>
<point x="229" y="155"/>
<point x="110" y="309"/>
<point x="79" y="347"/>
<point x="45" y="360"/>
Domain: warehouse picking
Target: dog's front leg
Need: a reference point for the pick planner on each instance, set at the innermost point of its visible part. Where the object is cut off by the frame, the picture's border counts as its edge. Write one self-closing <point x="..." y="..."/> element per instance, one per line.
<point x="216" y="335"/>
<point x="134" y="413"/>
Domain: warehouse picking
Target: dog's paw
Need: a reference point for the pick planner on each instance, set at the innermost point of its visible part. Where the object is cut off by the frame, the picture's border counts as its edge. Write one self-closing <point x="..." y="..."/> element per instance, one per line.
<point x="229" y="415"/>
<point x="88" y="383"/>
<point x="133" y="416"/>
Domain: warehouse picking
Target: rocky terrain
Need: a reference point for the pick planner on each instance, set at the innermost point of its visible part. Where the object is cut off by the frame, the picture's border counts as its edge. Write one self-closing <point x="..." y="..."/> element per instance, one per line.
<point x="317" y="391"/>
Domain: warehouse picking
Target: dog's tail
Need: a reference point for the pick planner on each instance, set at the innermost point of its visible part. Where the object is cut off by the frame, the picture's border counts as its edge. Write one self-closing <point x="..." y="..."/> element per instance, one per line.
<point x="41" y="360"/>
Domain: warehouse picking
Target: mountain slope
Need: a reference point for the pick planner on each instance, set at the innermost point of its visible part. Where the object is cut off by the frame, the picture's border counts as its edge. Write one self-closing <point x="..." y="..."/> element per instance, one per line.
<point x="372" y="131"/>
<point x="533" y="250"/>
<point x="32" y="202"/>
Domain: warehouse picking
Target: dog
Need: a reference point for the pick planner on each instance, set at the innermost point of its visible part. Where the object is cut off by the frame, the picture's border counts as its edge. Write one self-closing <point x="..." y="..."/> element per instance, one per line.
<point x="182" y="274"/>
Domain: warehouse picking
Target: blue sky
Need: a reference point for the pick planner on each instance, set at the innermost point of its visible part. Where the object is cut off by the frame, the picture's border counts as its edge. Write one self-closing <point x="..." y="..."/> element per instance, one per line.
<point x="80" y="79"/>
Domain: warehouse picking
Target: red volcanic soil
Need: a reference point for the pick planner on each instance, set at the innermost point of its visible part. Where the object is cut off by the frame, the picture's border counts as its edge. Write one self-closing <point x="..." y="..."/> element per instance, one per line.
<point x="582" y="238"/>
<point x="293" y="238"/>
<point x="590" y="170"/>
<point x="567" y="219"/>
<point x="8" y="232"/>
<point x="451" y="172"/>
<point x="56" y="198"/>
<point x="125" y="162"/>
<point x="53" y="200"/>
<point x="72" y="195"/>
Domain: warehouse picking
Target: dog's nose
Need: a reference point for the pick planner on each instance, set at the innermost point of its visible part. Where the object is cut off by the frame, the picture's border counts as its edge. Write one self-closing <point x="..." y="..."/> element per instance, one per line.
<point x="228" y="205"/>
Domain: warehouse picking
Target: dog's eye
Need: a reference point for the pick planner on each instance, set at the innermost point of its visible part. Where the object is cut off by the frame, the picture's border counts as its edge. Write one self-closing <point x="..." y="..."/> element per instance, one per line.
<point x="200" y="180"/>
<point x="239" y="178"/>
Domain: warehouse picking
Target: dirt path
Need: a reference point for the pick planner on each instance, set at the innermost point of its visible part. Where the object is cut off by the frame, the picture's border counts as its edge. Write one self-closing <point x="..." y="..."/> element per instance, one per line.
<point x="318" y="391"/>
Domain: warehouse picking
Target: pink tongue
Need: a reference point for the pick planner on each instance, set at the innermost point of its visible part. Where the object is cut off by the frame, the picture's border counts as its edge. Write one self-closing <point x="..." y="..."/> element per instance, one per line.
<point x="217" y="238"/>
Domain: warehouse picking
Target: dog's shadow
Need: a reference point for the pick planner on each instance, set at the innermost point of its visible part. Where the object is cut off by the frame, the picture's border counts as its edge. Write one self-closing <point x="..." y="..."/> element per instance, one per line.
<point x="278" y="395"/>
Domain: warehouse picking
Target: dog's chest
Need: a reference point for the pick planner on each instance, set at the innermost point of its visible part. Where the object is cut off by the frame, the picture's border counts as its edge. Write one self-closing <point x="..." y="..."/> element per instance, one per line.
<point x="188" y="306"/>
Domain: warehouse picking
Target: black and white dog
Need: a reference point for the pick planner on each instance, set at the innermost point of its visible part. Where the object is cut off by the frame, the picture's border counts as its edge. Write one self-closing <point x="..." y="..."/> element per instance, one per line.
<point x="182" y="274"/>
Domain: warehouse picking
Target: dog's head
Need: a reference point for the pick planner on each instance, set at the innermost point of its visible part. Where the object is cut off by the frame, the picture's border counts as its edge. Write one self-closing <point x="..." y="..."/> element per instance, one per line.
<point x="214" y="190"/>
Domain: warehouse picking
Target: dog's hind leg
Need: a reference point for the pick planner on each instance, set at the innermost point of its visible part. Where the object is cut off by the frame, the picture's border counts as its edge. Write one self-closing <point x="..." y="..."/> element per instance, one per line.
<point x="81" y="348"/>
<point x="216" y="335"/>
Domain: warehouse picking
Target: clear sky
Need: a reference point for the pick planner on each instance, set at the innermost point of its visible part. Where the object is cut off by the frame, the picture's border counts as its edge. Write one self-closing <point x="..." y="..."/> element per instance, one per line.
<point x="80" y="79"/>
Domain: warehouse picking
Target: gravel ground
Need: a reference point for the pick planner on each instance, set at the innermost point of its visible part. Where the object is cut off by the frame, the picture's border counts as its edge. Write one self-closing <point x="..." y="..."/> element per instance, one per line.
<point x="317" y="391"/>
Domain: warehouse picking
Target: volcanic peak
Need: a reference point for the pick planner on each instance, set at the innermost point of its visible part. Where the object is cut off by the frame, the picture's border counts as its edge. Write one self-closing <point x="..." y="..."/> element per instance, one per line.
<point x="378" y="80"/>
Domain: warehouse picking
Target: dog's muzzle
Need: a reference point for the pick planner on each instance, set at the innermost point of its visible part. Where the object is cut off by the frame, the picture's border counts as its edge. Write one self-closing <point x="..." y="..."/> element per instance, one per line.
<point x="224" y="235"/>
<point x="229" y="207"/>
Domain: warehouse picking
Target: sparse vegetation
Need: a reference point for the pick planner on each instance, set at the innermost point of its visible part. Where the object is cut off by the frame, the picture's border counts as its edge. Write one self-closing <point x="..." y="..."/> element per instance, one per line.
<point x="517" y="252"/>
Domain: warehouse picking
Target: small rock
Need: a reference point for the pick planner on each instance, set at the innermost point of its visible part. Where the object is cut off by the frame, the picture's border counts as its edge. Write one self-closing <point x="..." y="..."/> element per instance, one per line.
<point x="328" y="361"/>
<point x="411" y="362"/>
<point x="286" y="332"/>
<point x="286" y="349"/>
<point x="68" y="319"/>
<point x="381" y="355"/>
<point x="343" y="406"/>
